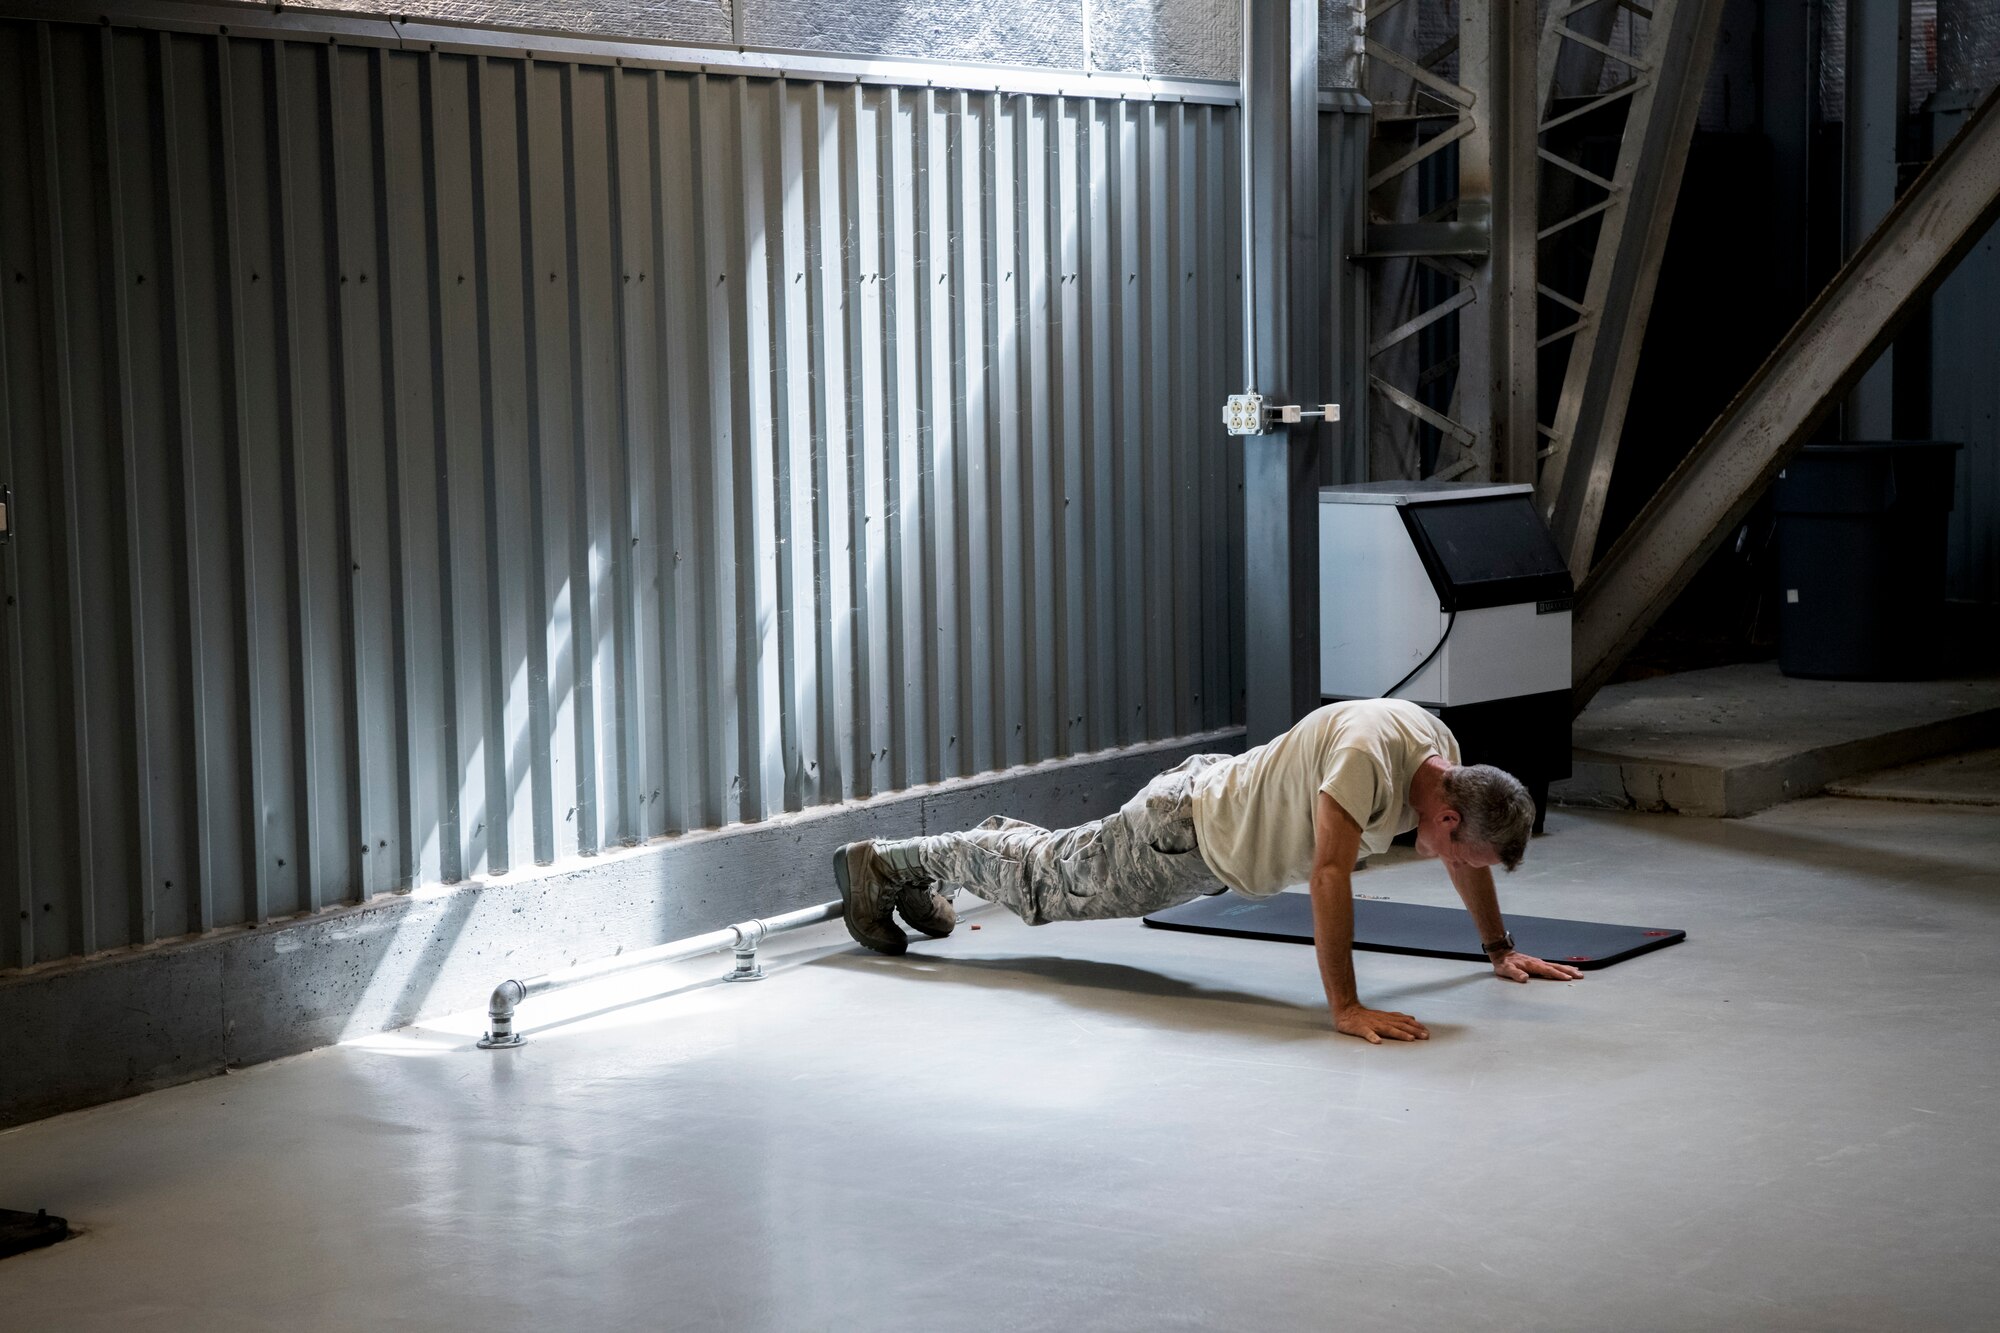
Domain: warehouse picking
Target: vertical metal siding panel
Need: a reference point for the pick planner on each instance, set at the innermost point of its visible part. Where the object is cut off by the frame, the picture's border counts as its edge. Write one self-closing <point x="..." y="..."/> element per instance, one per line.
<point x="545" y="172"/>
<point x="458" y="464"/>
<point x="533" y="599"/>
<point x="17" y="941"/>
<point x="939" y="414"/>
<point x="76" y="911"/>
<point x="975" y="737"/>
<point x="1100" y="281"/>
<point x="1212" y="292"/>
<point x="682" y="378"/>
<point x="583" y="187"/>
<point x="409" y="354"/>
<point x="1181" y="368"/>
<point x="833" y="538"/>
<point x="909" y="633"/>
<point x="1041" y="494"/>
<point x="122" y="402"/>
<point x="1221" y="367"/>
<point x="1160" y="432"/>
<point x="1068" y="198"/>
<point x="264" y="414"/>
<point x="715" y="545"/>
<point x="508" y="835"/>
<point x="1008" y="723"/>
<point x="595" y="348"/>
<point x="799" y="676"/>
<point x="619" y="766"/>
<point x="863" y="327"/>
<point x="344" y="871"/>
<point x="762" y="774"/>
<point x="1134" y="499"/>
<point x="369" y="467"/>
<point x="638" y="609"/>
<point x="214" y="606"/>
<point x="307" y="490"/>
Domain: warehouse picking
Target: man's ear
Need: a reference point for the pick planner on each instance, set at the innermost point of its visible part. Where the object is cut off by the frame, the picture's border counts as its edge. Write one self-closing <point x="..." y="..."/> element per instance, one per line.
<point x="1448" y="820"/>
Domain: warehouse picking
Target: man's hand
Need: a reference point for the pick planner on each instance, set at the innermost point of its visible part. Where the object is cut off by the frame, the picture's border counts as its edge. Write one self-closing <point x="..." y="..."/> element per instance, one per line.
<point x="1518" y="966"/>
<point x="1371" y="1025"/>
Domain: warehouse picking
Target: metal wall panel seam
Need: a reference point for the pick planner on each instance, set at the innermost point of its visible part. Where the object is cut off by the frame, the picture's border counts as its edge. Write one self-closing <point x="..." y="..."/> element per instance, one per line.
<point x="56" y="363"/>
<point x="1160" y="434"/>
<point x="714" y="724"/>
<point x="534" y="606"/>
<point x="1041" y="503"/>
<point x="626" y="784"/>
<point x="1127" y="424"/>
<point x="668" y="499"/>
<point x="1066" y="499"/>
<point x="863" y="329"/>
<point x="345" y="414"/>
<point x="798" y="676"/>
<point x="1011" y="639"/>
<point x="756" y="495"/>
<point x="450" y="832"/>
<point x="191" y="491"/>
<point x="496" y="810"/>
<point x="305" y="748"/>
<point x="937" y="342"/>
<point x="143" y="903"/>
<point x="582" y="595"/>
<point x="1179" y="341"/>
<point x="1096" y="331"/>
<point x="722" y="231"/>
<point x="896" y="188"/>
<point x="1069" y="200"/>
<point x="974" y="682"/>
<point x="833" y="702"/>
<point x="402" y="438"/>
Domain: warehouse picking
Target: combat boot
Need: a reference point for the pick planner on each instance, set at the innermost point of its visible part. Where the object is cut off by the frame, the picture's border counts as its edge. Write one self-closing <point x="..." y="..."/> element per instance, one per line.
<point x="928" y="910"/>
<point x="869" y="899"/>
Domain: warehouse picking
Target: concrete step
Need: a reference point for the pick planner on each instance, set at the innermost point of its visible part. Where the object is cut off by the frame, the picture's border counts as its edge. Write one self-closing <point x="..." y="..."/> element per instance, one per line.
<point x="1734" y="740"/>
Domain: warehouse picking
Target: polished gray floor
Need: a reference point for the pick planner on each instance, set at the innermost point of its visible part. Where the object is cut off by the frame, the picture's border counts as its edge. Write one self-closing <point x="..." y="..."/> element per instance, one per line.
<point x="1789" y="1122"/>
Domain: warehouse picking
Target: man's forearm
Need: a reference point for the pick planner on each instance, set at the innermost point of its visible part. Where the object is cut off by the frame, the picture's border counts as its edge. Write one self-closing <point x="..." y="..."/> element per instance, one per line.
<point x="1475" y="890"/>
<point x="1333" y="936"/>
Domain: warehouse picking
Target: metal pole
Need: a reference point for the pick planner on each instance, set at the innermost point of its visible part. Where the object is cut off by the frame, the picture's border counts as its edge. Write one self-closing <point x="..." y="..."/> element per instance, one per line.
<point x="1878" y="82"/>
<point x="1280" y="167"/>
<point x="743" y="939"/>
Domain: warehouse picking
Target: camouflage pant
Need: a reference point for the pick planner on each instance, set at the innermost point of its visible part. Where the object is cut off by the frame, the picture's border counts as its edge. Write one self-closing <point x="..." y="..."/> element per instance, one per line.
<point x="1140" y="860"/>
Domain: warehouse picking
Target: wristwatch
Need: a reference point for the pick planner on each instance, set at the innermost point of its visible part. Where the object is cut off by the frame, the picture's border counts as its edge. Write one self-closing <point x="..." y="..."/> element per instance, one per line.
<point x="1501" y="947"/>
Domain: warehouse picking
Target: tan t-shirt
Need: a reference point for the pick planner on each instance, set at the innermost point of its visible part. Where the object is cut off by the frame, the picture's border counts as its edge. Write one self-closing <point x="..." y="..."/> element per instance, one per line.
<point x="1253" y="816"/>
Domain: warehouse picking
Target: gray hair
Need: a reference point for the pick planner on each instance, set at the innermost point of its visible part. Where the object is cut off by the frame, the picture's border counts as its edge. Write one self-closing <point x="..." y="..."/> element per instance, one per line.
<point x="1494" y="809"/>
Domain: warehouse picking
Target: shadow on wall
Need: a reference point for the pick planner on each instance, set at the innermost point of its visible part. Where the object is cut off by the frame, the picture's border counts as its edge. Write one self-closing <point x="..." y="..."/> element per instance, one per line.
<point x="432" y="466"/>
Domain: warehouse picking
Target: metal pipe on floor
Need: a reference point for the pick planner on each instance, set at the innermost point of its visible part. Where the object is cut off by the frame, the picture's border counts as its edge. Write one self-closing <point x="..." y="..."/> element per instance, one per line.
<point x="743" y="938"/>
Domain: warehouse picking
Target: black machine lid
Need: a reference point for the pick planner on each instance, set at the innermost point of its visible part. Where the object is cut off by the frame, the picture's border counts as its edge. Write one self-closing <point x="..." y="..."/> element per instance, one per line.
<point x="1488" y="550"/>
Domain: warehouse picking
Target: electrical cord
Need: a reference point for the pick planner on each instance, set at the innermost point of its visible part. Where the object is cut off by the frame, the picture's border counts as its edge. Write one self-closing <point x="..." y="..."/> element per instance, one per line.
<point x="1437" y="648"/>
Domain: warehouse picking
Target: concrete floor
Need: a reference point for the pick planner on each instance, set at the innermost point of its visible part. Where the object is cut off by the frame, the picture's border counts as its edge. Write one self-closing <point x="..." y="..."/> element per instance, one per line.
<point x="1958" y="779"/>
<point x="1786" y="1123"/>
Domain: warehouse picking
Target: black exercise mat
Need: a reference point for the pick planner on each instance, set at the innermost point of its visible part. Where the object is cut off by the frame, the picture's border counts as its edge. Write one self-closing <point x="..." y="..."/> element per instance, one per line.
<point x="1434" y="932"/>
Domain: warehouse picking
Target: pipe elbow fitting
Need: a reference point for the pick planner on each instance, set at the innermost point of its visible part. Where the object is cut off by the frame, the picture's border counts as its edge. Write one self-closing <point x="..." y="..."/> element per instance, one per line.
<point x="506" y="995"/>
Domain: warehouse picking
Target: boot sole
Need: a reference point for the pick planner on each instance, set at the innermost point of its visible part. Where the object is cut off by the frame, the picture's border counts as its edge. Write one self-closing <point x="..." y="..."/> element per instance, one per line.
<point x="892" y="943"/>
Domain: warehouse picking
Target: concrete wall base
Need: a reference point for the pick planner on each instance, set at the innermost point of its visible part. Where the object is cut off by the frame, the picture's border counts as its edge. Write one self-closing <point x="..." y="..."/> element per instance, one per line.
<point x="77" y="1033"/>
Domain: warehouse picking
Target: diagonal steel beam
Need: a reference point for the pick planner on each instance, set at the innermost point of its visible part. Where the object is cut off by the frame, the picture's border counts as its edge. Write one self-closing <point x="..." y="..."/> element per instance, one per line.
<point x="1597" y="386"/>
<point x="1915" y="247"/>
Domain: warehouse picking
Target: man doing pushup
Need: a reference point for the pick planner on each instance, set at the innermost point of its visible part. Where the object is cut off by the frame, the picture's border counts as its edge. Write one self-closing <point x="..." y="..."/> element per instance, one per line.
<point x="1302" y="807"/>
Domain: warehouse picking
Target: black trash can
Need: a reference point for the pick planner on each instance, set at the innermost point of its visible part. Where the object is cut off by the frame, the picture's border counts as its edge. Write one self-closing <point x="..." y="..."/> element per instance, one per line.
<point x="1861" y="559"/>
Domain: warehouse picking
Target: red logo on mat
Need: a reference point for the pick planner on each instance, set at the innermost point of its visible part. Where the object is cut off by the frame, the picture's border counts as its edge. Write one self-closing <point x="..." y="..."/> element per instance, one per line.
<point x="1580" y="958"/>
<point x="1658" y="934"/>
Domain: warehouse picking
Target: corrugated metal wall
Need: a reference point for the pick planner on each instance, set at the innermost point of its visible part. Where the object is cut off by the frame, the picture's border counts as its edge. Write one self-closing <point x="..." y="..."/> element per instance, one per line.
<point x="429" y="464"/>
